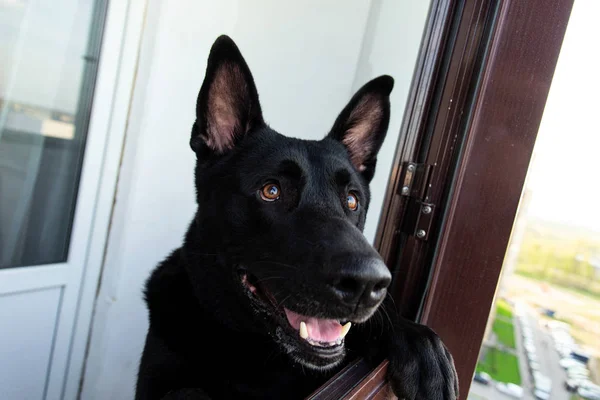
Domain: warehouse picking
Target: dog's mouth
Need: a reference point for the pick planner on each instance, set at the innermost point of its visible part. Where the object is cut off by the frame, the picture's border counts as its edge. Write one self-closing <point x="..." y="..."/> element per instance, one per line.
<point x="318" y="332"/>
<point x="322" y="337"/>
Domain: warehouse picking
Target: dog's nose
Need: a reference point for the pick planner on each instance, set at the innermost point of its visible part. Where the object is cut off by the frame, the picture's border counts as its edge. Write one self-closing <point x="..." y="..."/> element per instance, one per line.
<point x="364" y="282"/>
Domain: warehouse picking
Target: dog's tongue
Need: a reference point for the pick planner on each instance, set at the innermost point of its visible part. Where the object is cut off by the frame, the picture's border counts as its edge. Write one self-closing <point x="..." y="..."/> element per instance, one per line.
<point x="321" y="330"/>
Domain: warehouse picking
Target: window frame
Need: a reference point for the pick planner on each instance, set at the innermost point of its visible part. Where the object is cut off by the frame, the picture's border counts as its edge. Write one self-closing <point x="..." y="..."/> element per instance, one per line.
<point x="471" y="53"/>
<point x="499" y="136"/>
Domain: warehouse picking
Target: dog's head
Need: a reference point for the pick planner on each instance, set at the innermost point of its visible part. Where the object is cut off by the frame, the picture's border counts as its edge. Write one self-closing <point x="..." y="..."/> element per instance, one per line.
<point x="288" y="214"/>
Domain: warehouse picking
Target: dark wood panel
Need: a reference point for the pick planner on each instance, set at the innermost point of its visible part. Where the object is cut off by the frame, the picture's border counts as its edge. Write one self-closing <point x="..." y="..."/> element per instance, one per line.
<point x="373" y="386"/>
<point x="500" y="134"/>
<point x="343" y="382"/>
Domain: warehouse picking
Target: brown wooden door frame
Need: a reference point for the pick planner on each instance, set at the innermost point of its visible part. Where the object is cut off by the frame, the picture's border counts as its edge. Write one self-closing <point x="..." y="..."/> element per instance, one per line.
<point x="478" y="95"/>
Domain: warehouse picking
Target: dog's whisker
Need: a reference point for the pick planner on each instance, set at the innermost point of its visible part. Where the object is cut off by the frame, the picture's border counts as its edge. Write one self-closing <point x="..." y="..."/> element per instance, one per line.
<point x="389" y="295"/>
<point x="269" y="278"/>
<point x="283" y="301"/>
<point x="275" y="263"/>
<point x="384" y="311"/>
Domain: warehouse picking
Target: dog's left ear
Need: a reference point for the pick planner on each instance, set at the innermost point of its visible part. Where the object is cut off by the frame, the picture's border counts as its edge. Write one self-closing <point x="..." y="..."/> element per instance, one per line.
<point x="227" y="108"/>
<point x="363" y="123"/>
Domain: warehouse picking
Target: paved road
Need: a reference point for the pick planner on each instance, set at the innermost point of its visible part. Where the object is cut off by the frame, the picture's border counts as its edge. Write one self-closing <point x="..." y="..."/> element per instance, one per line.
<point x="548" y="359"/>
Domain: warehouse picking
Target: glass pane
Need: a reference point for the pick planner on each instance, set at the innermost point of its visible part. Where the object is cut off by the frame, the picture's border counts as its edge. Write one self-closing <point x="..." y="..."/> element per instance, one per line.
<point x="543" y="335"/>
<point x="48" y="60"/>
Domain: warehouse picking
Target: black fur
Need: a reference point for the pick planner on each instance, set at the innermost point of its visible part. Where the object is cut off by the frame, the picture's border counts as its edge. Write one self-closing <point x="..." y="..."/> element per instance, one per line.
<point x="217" y="325"/>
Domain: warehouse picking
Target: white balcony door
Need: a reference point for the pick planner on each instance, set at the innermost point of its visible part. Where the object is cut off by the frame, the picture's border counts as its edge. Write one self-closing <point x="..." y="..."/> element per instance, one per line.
<point x="51" y="164"/>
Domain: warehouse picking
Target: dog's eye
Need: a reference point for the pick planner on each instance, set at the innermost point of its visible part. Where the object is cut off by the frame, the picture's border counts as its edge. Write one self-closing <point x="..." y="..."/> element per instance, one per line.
<point x="352" y="201"/>
<point x="270" y="192"/>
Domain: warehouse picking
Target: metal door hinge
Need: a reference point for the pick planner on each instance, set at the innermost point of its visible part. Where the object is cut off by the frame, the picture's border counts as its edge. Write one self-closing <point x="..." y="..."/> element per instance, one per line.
<point x="419" y="214"/>
<point x="418" y="219"/>
<point x="415" y="180"/>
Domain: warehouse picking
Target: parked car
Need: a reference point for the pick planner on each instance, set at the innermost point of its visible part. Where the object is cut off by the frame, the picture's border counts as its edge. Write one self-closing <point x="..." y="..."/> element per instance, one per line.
<point x="563" y="342"/>
<point x="577" y="369"/>
<point x="570" y="362"/>
<point x="536" y="375"/>
<point x="574" y="383"/>
<point x="559" y="326"/>
<point x="571" y="385"/>
<point x="588" y="390"/>
<point x="541" y="395"/>
<point x="529" y="346"/>
<point x="482" y="377"/>
<point x="564" y="351"/>
<point x="589" y="386"/>
<point x="531" y="356"/>
<point x="534" y="366"/>
<point x="510" y="389"/>
<point x="588" y="394"/>
<point x="549" y="313"/>
<point x="581" y="356"/>
<point x="541" y="382"/>
<point x="574" y="374"/>
<point x="582" y="378"/>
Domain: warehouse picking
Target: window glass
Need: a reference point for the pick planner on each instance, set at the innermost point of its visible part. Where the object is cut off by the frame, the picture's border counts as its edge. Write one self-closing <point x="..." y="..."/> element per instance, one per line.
<point x="542" y="339"/>
<point x="47" y="71"/>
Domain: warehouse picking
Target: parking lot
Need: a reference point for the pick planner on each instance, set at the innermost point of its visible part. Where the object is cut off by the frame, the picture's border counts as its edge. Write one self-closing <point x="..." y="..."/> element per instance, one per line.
<point x="535" y="347"/>
<point x="548" y="358"/>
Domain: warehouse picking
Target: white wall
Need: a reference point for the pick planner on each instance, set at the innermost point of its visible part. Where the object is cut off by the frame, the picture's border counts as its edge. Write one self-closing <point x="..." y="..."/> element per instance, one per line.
<point x="307" y="58"/>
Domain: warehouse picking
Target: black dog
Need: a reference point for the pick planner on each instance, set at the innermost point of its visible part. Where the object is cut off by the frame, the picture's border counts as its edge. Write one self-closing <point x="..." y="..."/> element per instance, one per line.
<point x="274" y="269"/>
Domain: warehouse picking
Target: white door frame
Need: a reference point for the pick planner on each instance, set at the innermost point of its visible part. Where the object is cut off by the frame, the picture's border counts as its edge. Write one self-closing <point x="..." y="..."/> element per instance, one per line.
<point x="80" y="274"/>
<point x="114" y="88"/>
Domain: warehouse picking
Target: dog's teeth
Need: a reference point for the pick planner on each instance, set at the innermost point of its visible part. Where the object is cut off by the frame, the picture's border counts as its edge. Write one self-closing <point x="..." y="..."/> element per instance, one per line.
<point x="303" y="330"/>
<point x="345" y="329"/>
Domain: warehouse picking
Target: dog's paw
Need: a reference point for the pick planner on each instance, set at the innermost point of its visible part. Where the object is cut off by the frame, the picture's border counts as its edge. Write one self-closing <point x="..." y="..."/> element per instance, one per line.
<point x="420" y="365"/>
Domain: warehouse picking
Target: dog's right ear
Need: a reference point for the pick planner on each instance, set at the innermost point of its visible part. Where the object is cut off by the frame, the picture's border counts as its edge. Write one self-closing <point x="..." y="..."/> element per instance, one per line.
<point x="363" y="123"/>
<point x="227" y="108"/>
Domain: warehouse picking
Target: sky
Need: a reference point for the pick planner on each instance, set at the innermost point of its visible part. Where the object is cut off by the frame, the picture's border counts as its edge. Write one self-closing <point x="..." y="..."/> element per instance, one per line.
<point x="564" y="176"/>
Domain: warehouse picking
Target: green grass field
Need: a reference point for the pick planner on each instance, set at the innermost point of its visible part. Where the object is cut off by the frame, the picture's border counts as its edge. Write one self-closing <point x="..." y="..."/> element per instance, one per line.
<point x="501" y="366"/>
<point x="505" y="332"/>
<point x="504" y="309"/>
